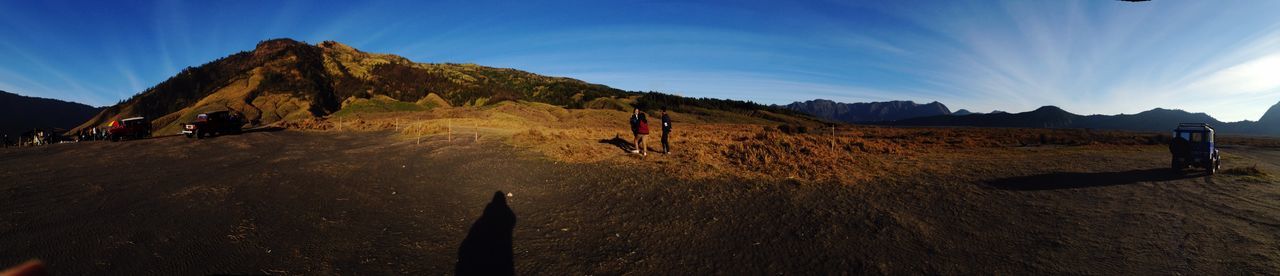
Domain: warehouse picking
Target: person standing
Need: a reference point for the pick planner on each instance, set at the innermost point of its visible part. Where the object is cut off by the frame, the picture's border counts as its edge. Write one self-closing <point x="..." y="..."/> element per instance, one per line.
<point x="635" y="130"/>
<point x="666" y="132"/>
<point x="639" y="128"/>
<point x="641" y="142"/>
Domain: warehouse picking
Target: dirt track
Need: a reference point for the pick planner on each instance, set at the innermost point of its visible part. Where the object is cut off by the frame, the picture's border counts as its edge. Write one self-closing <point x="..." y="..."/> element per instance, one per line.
<point x="361" y="203"/>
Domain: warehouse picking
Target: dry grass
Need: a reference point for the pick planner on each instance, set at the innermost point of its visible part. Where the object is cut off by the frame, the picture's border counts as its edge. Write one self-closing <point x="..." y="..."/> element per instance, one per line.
<point x="710" y="145"/>
<point x="1246" y="171"/>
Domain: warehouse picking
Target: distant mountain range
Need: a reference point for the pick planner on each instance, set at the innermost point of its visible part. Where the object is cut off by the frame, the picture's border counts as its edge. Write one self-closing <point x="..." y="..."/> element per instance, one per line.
<point x="868" y="112"/>
<point x="20" y="114"/>
<point x="907" y="113"/>
<point x="1158" y="119"/>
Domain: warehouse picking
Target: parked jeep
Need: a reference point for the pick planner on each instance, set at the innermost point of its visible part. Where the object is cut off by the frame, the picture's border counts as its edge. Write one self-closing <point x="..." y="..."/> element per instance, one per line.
<point x="131" y="128"/>
<point x="1192" y="145"/>
<point x="213" y="123"/>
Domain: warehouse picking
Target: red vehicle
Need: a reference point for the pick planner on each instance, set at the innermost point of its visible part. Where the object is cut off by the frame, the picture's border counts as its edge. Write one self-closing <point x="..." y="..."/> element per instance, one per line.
<point x="213" y="123"/>
<point x="131" y="128"/>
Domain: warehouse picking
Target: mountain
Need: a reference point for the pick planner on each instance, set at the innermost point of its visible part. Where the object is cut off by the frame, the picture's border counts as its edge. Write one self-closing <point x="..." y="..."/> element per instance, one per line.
<point x="868" y="112"/>
<point x="19" y="113"/>
<point x="1158" y="119"/>
<point x="284" y="79"/>
<point x="962" y="112"/>
<point x="1270" y="121"/>
<point x="1048" y="116"/>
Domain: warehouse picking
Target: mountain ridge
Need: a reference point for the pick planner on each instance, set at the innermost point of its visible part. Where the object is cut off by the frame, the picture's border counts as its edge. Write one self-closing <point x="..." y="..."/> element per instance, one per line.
<point x="863" y="112"/>
<point x="19" y="113"/>
<point x="1157" y="119"/>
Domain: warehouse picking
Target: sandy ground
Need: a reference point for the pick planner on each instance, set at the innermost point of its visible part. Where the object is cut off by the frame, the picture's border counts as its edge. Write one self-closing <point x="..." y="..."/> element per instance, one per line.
<point x="289" y="202"/>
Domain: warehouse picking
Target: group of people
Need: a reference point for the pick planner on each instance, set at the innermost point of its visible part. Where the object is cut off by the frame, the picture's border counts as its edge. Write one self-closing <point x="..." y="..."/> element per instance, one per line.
<point x="34" y="137"/>
<point x="640" y="129"/>
<point x="92" y="134"/>
<point x="40" y="137"/>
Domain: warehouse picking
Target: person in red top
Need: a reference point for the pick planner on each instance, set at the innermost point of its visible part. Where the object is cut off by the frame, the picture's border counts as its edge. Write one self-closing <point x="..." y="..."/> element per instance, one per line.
<point x="640" y="127"/>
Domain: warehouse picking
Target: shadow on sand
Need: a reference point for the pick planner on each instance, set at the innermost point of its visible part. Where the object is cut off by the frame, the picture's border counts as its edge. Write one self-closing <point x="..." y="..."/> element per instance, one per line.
<point x="1054" y="181"/>
<point x="617" y="141"/>
<point x="487" y="249"/>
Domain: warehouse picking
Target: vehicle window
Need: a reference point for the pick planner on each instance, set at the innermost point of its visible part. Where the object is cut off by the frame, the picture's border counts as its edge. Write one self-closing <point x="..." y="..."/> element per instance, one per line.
<point x="1197" y="137"/>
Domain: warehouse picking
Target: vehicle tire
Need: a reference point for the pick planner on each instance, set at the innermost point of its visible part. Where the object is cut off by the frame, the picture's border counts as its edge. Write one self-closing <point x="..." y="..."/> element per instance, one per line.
<point x="1176" y="166"/>
<point x="198" y="134"/>
<point x="114" y="138"/>
<point x="189" y="136"/>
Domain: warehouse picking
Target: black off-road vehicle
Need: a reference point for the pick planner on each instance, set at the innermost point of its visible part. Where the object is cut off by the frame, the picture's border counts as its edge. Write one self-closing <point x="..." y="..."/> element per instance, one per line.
<point x="1192" y="145"/>
<point x="213" y="123"/>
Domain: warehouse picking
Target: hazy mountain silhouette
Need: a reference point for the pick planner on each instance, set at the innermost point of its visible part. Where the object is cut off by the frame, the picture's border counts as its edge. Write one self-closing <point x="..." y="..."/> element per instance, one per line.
<point x="868" y="112"/>
<point x="1158" y="119"/>
<point x="19" y="113"/>
<point x="1270" y="121"/>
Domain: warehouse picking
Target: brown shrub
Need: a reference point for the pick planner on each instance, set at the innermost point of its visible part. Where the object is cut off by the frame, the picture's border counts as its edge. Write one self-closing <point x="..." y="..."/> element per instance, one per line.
<point x="1245" y="171"/>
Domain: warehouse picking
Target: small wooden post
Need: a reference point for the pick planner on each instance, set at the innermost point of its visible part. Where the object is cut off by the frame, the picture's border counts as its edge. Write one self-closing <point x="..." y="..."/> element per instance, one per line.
<point x="476" y="128"/>
<point x="419" y="134"/>
<point x="833" y="137"/>
<point x="450" y="123"/>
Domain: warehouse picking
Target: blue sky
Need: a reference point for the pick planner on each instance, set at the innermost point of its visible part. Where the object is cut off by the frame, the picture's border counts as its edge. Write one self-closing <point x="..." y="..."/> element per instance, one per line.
<point x="1089" y="57"/>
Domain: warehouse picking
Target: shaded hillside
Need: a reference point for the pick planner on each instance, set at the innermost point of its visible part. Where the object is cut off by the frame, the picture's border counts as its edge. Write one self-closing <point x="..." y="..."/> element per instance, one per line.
<point x="283" y="79"/>
<point x="868" y="112"/>
<point x="1047" y="117"/>
<point x="1270" y="121"/>
<point x="1158" y="119"/>
<point x="19" y="113"/>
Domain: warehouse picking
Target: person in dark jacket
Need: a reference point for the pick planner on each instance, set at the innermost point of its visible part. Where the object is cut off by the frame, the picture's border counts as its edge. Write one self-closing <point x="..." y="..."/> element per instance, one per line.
<point x="635" y="130"/>
<point x="666" y="132"/>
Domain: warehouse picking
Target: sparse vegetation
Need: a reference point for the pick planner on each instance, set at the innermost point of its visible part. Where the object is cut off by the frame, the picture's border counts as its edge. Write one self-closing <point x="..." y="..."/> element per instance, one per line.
<point x="375" y="105"/>
<point x="719" y="145"/>
<point x="1250" y="173"/>
<point x="1246" y="171"/>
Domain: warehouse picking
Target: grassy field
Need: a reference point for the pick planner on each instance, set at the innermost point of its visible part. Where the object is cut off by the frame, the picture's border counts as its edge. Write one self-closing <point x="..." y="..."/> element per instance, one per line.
<point x="712" y="144"/>
<point x="386" y="191"/>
